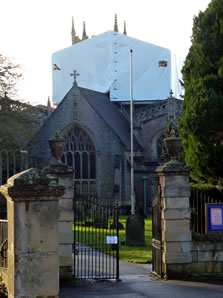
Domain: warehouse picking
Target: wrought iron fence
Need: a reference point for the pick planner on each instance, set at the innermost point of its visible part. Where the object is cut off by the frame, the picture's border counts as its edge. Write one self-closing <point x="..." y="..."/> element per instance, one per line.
<point x="3" y="243"/>
<point x="198" y="200"/>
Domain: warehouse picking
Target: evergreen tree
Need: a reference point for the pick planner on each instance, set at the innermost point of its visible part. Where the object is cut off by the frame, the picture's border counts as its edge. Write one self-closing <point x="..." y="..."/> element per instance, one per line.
<point x="201" y="127"/>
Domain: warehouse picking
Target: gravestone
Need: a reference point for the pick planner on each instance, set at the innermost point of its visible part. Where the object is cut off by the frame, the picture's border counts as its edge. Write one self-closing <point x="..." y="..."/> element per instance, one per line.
<point x="135" y="230"/>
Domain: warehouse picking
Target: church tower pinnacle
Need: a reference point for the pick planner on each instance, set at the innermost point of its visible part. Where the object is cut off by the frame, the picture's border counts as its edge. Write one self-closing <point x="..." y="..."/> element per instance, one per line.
<point x="73" y="33"/>
<point x="125" y="32"/>
<point x="84" y="35"/>
<point x="116" y="24"/>
<point x="74" y="37"/>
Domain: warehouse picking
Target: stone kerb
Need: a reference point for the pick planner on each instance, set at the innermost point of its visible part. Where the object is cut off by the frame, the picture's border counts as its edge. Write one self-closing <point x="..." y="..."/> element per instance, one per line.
<point x="176" y="234"/>
<point x="32" y="210"/>
<point x="64" y="174"/>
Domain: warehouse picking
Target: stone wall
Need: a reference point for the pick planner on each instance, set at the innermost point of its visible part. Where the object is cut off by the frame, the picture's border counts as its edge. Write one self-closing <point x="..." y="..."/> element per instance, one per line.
<point x="207" y="258"/>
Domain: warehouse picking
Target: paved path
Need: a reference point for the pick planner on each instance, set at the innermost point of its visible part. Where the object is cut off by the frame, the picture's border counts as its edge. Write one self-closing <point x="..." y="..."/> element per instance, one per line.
<point x="136" y="282"/>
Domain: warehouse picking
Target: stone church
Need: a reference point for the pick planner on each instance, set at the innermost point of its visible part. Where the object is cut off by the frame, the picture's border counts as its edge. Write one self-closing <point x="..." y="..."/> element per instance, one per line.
<point x="92" y="114"/>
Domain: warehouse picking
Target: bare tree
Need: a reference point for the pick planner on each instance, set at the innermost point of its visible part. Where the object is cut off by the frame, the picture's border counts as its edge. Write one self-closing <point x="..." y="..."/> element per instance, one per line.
<point x="9" y="76"/>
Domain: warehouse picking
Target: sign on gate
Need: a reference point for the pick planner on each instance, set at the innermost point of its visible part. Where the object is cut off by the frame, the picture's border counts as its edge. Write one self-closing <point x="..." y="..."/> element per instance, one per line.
<point x="111" y="239"/>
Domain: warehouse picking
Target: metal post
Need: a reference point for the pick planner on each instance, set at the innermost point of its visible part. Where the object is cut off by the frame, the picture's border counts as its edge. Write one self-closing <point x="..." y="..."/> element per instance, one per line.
<point x="145" y="178"/>
<point x="116" y="211"/>
<point x="131" y="131"/>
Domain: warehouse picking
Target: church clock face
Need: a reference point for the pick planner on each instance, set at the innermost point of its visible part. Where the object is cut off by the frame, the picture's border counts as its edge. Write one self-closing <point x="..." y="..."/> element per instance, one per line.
<point x="80" y="154"/>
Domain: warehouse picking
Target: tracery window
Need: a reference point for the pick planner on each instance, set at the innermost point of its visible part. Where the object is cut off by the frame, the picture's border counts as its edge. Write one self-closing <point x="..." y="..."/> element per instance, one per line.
<point x="80" y="154"/>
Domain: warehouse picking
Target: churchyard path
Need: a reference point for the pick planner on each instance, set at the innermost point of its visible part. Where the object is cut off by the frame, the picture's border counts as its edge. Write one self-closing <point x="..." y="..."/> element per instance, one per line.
<point x="136" y="282"/>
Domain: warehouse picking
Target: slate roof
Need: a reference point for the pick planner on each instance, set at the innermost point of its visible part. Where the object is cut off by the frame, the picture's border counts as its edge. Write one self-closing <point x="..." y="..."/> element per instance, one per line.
<point x="111" y="115"/>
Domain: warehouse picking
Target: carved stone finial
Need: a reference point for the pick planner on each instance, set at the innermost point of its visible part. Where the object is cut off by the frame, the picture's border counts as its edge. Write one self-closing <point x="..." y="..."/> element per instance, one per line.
<point x="116" y="24"/>
<point x="171" y="93"/>
<point x="75" y="74"/>
<point x="171" y="106"/>
<point x="125" y="32"/>
<point x="49" y="108"/>
<point x="84" y="35"/>
<point x="173" y="133"/>
<point x="72" y="29"/>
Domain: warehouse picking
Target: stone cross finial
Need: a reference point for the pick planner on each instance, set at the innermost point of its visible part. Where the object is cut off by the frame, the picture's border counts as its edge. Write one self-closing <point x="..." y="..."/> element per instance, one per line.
<point x="75" y="74"/>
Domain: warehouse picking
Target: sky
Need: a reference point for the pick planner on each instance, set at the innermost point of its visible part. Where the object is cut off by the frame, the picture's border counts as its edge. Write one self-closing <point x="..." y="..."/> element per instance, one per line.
<point x="31" y="30"/>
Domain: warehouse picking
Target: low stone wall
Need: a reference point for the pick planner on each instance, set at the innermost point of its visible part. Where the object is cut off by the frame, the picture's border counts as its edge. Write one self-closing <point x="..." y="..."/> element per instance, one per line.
<point x="207" y="262"/>
<point x="207" y="258"/>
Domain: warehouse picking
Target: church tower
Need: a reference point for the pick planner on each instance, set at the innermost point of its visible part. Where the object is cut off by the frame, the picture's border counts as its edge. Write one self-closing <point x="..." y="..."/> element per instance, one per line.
<point x="74" y="37"/>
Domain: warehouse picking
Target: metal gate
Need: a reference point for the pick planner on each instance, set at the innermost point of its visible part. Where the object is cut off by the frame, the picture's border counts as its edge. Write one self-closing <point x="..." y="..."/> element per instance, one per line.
<point x="96" y="249"/>
<point x="157" y="235"/>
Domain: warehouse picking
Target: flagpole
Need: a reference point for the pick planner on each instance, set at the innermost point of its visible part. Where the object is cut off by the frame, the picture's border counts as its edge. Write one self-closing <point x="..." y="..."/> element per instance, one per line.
<point x="131" y="132"/>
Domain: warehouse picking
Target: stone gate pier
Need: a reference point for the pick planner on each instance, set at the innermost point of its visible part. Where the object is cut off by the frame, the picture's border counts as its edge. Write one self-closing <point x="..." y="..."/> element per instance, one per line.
<point x="64" y="174"/>
<point x="32" y="213"/>
<point x="175" y="219"/>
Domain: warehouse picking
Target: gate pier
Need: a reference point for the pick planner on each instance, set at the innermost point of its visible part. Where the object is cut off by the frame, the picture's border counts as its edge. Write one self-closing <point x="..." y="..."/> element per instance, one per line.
<point x="175" y="219"/>
<point x="64" y="174"/>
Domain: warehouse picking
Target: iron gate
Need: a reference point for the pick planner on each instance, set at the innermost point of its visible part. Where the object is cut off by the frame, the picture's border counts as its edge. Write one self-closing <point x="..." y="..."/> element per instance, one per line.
<point x="96" y="249"/>
<point x="157" y="235"/>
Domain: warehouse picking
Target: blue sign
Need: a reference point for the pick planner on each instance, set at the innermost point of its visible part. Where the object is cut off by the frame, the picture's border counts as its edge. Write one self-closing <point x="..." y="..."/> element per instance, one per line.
<point x="214" y="217"/>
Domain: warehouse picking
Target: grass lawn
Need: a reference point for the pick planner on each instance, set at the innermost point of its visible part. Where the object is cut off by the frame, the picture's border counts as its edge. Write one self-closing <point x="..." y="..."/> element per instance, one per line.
<point x="136" y="254"/>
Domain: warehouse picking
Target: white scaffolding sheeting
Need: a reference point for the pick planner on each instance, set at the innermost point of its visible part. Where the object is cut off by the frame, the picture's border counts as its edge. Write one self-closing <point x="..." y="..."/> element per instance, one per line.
<point x="103" y="65"/>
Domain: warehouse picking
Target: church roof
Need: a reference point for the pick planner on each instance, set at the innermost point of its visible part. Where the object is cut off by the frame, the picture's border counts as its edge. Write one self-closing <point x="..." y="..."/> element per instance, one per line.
<point x="111" y="115"/>
<point x="103" y="65"/>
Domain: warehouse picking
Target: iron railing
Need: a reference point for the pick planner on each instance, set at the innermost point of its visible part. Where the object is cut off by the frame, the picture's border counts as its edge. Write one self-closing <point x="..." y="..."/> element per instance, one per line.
<point x="3" y="243"/>
<point x="198" y="200"/>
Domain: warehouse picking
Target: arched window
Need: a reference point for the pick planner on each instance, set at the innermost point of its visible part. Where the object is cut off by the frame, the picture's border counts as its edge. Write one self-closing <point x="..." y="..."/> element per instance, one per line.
<point x="80" y="154"/>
